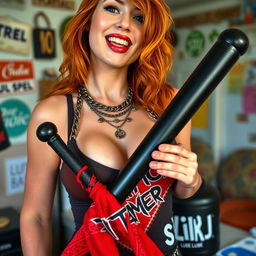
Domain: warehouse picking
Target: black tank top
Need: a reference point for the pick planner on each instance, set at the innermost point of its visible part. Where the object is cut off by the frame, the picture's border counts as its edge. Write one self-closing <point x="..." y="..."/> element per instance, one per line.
<point x="162" y="229"/>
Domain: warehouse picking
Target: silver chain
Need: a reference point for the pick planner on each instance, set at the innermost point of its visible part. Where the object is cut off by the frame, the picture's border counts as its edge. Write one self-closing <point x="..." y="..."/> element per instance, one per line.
<point x="103" y="111"/>
<point x="152" y="114"/>
<point x="127" y="106"/>
<point x="75" y="124"/>
<point x="97" y="105"/>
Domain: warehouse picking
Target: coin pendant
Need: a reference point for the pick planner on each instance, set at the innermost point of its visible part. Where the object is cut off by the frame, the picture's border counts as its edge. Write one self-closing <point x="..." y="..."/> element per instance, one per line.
<point x="120" y="133"/>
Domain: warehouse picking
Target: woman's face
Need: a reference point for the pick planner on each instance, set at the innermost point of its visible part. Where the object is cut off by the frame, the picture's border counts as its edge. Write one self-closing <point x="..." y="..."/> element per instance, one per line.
<point x="115" y="35"/>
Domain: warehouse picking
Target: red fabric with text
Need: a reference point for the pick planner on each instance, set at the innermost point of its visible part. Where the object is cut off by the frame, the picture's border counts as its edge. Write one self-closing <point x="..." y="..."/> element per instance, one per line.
<point x="106" y="222"/>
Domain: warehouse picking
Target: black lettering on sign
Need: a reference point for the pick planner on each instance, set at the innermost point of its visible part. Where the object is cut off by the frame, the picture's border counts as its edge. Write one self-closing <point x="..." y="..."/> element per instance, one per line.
<point x="4" y="88"/>
<point x="12" y="33"/>
<point x="22" y="86"/>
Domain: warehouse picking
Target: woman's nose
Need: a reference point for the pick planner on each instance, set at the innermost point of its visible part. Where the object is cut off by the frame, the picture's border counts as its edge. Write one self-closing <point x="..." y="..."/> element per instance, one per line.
<point x="124" y="21"/>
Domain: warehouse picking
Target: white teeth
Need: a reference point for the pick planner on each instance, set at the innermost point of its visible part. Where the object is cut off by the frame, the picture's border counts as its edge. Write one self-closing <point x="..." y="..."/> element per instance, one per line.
<point x="118" y="41"/>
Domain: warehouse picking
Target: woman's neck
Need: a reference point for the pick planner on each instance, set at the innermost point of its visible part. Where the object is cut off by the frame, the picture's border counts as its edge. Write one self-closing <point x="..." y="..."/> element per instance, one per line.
<point x="108" y="84"/>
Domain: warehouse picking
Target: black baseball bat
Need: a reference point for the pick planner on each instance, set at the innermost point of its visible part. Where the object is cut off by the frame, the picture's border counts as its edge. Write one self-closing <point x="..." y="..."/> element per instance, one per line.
<point x="230" y="45"/>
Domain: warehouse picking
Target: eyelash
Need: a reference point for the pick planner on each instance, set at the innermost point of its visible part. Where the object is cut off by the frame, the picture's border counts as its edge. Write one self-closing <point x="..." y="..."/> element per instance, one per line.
<point x="139" y="18"/>
<point x="111" y="8"/>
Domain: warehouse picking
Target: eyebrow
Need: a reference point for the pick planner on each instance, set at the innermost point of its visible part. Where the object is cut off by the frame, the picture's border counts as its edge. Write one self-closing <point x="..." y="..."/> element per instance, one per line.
<point x="119" y="1"/>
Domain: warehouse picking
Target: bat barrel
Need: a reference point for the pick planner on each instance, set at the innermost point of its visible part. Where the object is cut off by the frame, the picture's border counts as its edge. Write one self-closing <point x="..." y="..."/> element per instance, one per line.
<point x="230" y="45"/>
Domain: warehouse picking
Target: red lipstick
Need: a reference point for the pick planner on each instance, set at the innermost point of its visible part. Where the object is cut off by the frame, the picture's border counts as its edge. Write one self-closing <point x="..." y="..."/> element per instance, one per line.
<point x="116" y="47"/>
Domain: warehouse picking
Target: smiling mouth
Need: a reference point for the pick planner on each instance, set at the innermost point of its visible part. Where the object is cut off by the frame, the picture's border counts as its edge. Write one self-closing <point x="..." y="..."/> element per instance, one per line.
<point x="118" y="41"/>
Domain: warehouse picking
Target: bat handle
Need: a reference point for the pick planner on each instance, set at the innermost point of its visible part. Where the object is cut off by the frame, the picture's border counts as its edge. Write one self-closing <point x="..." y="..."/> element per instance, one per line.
<point x="47" y="132"/>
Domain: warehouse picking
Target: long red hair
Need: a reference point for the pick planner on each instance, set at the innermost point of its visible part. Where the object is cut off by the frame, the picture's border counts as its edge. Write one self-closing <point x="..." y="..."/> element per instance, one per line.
<point x="147" y="76"/>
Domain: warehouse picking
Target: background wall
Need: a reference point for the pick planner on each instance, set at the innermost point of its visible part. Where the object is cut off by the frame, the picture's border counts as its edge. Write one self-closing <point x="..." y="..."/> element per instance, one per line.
<point x="16" y="153"/>
<point x="228" y="126"/>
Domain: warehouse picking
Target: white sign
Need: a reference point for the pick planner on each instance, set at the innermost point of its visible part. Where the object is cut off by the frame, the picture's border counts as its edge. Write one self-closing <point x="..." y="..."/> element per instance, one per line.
<point x="15" y="174"/>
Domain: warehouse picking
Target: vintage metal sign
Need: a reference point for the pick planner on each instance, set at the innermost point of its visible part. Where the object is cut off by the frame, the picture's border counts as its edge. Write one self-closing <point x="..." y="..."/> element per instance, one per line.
<point x="43" y="38"/>
<point x="16" y="77"/>
<point x="15" y="36"/>
<point x="66" y="4"/>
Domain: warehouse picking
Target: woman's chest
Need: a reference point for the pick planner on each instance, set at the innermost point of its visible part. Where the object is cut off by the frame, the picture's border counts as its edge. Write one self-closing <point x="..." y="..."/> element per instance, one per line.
<point x="98" y="140"/>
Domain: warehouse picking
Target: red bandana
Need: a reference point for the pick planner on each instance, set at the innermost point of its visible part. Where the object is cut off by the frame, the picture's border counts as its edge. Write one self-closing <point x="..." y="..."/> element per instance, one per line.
<point x="106" y="221"/>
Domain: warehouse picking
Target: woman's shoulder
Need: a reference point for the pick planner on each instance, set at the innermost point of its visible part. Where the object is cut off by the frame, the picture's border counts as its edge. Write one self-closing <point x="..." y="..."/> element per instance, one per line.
<point x="51" y="109"/>
<point x="51" y="105"/>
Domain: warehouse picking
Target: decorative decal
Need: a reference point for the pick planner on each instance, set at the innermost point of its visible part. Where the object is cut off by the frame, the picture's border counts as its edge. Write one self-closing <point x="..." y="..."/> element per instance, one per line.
<point x="213" y="35"/>
<point x="195" y="43"/>
<point x="16" y="116"/>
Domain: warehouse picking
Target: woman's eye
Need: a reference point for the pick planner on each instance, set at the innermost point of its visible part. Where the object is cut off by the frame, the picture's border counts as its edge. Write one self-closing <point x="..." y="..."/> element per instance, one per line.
<point x="112" y="9"/>
<point x="139" y="18"/>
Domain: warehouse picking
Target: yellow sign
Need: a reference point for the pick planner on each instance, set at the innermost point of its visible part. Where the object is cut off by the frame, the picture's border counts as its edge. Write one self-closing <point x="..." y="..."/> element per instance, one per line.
<point x="200" y="119"/>
<point x="236" y="77"/>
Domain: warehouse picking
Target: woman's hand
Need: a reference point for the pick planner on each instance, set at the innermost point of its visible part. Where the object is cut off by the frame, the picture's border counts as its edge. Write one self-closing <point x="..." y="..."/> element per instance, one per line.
<point x="176" y="162"/>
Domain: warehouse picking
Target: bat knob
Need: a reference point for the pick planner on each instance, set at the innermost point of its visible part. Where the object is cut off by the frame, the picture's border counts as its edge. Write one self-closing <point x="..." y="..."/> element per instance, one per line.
<point x="46" y="131"/>
<point x="237" y="38"/>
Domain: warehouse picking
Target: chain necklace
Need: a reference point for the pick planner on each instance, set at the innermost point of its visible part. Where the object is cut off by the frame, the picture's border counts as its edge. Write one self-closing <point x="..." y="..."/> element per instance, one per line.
<point x="109" y="114"/>
<point x="152" y="114"/>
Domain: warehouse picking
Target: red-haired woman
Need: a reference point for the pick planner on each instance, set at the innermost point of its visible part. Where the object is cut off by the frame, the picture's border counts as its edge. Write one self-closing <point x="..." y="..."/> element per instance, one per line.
<point x="112" y="88"/>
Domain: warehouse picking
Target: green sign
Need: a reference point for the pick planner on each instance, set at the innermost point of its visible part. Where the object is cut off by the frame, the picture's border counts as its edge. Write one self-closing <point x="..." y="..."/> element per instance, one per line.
<point x="16" y="116"/>
<point x="195" y="43"/>
<point x="213" y="35"/>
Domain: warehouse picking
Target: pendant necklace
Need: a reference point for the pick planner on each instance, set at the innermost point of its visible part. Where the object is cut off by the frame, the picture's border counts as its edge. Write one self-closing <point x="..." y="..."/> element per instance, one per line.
<point x="115" y="116"/>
